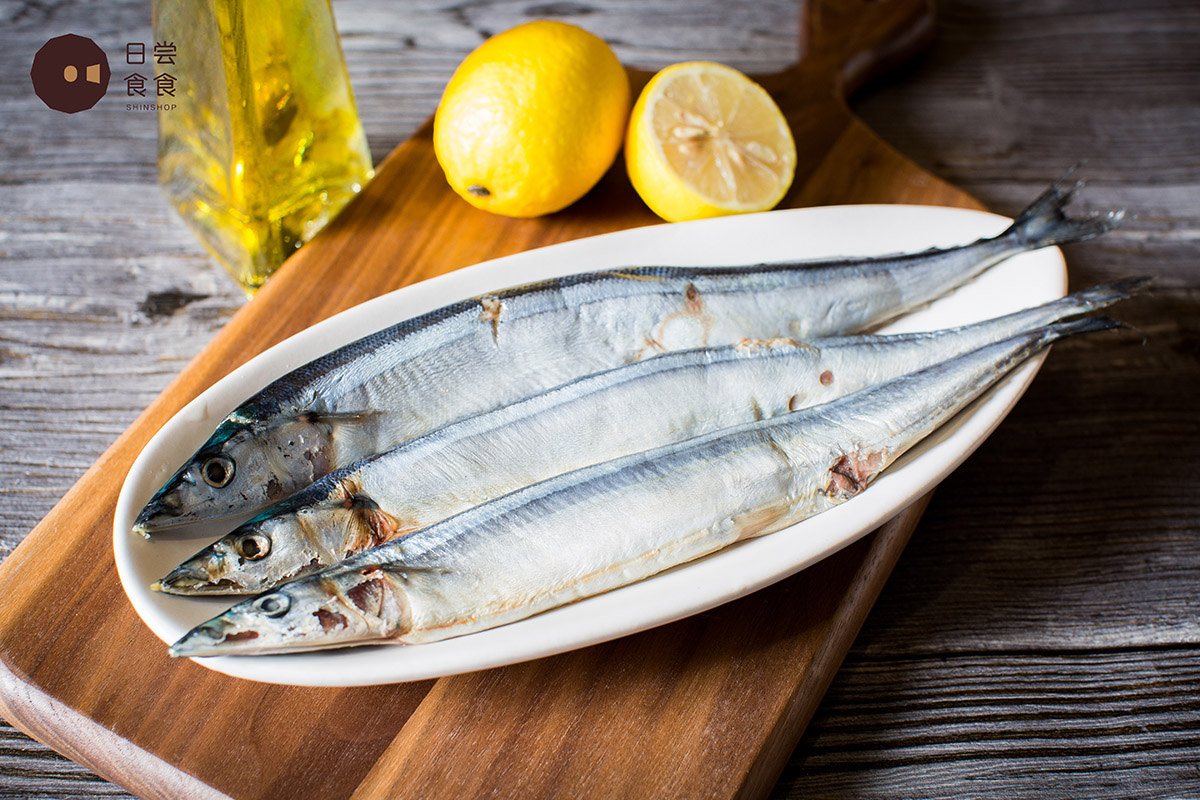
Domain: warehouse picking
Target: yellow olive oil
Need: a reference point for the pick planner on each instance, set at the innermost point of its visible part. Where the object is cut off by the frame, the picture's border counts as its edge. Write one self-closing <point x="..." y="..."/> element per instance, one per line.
<point x="261" y="144"/>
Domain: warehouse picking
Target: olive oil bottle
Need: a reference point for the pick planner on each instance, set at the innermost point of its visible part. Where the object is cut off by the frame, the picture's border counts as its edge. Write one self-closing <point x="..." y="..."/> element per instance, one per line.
<point x="261" y="144"/>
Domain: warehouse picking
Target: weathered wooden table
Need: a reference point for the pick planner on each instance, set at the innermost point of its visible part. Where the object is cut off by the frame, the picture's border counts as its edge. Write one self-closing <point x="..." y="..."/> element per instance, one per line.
<point x="1040" y="635"/>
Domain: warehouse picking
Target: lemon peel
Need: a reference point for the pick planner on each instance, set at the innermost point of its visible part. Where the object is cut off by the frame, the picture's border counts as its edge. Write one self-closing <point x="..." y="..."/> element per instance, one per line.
<point x="532" y="119"/>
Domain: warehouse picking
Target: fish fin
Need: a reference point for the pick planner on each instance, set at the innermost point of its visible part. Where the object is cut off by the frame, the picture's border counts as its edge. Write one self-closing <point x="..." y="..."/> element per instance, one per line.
<point x="1045" y="221"/>
<point x="400" y="570"/>
<point x="381" y="526"/>
<point x="337" y="417"/>
<point x="851" y="473"/>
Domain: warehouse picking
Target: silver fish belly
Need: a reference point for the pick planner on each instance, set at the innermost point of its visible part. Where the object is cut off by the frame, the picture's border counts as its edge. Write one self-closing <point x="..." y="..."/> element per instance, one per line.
<point x="596" y="418"/>
<point x="493" y="350"/>
<point x="613" y="523"/>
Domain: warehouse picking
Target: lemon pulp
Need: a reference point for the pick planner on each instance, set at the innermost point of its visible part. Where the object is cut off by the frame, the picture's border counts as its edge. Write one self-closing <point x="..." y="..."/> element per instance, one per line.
<point x="705" y="140"/>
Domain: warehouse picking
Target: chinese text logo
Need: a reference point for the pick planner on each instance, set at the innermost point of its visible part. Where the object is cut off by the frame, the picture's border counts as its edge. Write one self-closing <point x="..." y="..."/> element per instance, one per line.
<point x="70" y="73"/>
<point x="164" y="82"/>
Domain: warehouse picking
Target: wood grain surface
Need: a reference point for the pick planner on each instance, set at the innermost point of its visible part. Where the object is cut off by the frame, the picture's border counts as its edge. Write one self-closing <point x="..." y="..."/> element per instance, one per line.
<point x="1049" y="597"/>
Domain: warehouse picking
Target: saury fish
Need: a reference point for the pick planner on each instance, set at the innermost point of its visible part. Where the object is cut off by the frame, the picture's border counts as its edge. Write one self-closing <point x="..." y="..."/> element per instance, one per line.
<point x="613" y="523"/>
<point x="490" y="351"/>
<point x="596" y="418"/>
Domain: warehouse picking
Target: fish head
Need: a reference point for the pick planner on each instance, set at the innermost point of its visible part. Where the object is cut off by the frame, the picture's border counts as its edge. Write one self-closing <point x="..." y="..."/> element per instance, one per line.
<point x="245" y="465"/>
<point x="252" y="558"/>
<point x="337" y="607"/>
<point x="307" y="532"/>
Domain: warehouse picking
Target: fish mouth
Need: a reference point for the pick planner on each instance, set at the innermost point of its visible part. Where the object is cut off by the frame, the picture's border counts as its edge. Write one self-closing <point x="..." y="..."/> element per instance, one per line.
<point x="161" y="513"/>
<point x="189" y="581"/>
<point x="159" y="518"/>
<point x="215" y="638"/>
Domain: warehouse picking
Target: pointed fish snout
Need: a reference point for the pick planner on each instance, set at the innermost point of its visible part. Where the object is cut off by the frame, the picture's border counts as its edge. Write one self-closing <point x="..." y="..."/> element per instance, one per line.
<point x="213" y="638"/>
<point x="168" y="503"/>
<point x="186" y="580"/>
<point x="161" y="512"/>
<point x="180" y="581"/>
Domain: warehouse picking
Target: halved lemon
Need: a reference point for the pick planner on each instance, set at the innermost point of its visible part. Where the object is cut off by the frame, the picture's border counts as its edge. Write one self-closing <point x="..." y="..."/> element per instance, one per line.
<point x="704" y="140"/>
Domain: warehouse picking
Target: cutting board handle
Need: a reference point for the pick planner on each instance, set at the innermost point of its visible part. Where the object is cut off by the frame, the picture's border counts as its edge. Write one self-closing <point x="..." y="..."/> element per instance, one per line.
<point x="852" y="41"/>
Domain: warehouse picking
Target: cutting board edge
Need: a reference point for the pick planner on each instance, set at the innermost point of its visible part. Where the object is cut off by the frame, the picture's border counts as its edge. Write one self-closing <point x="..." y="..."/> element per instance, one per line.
<point x="85" y="741"/>
<point x="790" y="726"/>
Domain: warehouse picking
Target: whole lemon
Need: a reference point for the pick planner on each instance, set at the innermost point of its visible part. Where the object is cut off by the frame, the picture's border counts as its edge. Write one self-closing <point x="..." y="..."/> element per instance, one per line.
<point x="532" y="119"/>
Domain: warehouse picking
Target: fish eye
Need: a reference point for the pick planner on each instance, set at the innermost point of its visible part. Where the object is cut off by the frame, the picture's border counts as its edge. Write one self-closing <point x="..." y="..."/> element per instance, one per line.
<point x="253" y="546"/>
<point x="273" y="605"/>
<point x="217" y="471"/>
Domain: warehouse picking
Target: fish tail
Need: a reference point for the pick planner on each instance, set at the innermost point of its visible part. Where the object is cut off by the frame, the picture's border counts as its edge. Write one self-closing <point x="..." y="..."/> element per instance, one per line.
<point x="1038" y="317"/>
<point x="1045" y="221"/>
<point x="1061" y="330"/>
<point x="1095" y="297"/>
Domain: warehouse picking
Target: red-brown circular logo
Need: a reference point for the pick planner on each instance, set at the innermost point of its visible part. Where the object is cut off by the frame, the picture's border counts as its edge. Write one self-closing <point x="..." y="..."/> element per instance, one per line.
<point x="70" y="73"/>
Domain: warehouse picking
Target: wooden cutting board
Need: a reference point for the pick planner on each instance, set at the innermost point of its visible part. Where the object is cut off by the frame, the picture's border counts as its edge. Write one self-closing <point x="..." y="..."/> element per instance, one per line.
<point x="707" y="707"/>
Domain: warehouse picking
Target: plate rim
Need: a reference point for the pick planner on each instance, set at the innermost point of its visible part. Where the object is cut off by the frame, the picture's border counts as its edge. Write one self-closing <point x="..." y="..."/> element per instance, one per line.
<point x="997" y="402"/>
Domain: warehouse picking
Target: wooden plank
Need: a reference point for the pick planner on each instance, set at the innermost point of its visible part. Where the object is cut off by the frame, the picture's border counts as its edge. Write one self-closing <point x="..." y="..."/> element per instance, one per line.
<point x="1070" y="724"/>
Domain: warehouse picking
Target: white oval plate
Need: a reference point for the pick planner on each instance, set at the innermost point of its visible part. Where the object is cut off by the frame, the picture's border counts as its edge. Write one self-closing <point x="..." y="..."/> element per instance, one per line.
<point x="1020" y="282"/>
